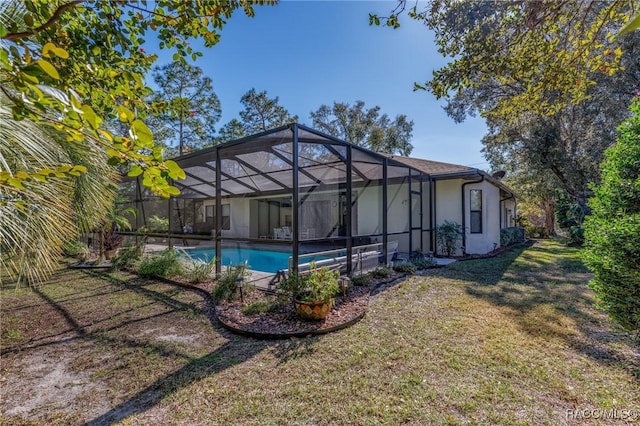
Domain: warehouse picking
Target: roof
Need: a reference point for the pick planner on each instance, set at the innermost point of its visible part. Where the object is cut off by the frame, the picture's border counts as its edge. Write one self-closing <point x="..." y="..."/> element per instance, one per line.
<point x="438" y="170"/>
<point x="433" y="168"/>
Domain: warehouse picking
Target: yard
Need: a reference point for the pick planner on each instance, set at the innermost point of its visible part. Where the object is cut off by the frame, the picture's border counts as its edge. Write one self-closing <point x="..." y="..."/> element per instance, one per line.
<point x="509" y="340"/>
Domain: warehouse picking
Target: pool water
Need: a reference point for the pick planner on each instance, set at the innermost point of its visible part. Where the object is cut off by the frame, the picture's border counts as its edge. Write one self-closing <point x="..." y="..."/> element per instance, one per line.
<point x="258" y="260"/>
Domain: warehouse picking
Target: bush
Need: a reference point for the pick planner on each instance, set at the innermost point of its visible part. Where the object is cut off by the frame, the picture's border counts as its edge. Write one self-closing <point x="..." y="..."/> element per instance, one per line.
<point x="199" y="271"/>
<point x="447" y="236"/>
<point x="423" y="262"/>
<point x="158" y="224"/>
<point x="166" y="264"/>
<point x="511" y="235"/>
<point x="612" y="231"/>
<point x="227" y="285"/>
<point x="536" y="231"/>
<point x="262" y="306"/>
<point x="75" y="248"/>
<point x="128" y="256"/>
<point x="361" y="279"/>
<point x="405" y="266"/>
<point x="381" y="272"/>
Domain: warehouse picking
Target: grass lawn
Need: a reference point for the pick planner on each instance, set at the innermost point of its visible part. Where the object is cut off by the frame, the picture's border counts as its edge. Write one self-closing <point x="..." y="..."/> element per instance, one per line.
<point x="510" y="340"/>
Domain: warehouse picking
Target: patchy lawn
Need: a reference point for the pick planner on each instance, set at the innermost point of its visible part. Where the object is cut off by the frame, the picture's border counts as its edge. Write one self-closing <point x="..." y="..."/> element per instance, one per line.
<point x="509" y="340"/>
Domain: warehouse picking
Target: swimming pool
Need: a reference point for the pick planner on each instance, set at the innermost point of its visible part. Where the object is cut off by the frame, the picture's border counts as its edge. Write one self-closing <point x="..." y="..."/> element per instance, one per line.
<point x="258" y="260"/>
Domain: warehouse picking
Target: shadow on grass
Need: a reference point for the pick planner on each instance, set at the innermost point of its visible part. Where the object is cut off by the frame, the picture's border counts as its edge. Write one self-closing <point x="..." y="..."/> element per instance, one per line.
<point x="235" y="350"/>
<point x="545" y="288"/>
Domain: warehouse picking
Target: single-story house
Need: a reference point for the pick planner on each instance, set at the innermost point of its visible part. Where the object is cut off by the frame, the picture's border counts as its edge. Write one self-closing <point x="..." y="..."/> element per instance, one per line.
<point x="296" y="194"/>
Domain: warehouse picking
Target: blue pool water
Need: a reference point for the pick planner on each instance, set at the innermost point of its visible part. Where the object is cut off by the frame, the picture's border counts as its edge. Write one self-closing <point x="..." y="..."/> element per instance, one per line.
<point x="258" y="260"/>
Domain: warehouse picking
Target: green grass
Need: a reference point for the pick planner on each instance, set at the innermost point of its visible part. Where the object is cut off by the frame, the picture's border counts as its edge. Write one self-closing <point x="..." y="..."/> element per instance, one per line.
<point x="509" y="340"/>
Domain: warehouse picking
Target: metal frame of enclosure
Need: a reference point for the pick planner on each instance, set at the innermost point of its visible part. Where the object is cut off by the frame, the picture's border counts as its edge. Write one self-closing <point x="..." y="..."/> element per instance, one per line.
<point x="293" y="188"/>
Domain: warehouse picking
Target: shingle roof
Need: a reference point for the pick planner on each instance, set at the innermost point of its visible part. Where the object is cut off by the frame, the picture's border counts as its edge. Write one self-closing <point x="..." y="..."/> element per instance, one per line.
<point x="433" y="168"/>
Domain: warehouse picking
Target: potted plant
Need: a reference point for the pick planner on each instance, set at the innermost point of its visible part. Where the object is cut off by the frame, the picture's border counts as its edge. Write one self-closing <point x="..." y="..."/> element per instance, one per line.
<point x="313" y="293"/>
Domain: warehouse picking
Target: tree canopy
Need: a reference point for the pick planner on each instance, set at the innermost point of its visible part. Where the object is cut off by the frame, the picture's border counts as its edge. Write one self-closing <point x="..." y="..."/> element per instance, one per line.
<point x="72" y="64"/>
<point x="185" y="108"/>
<point x="260" y="113"/>
<point x="365" y="127"/>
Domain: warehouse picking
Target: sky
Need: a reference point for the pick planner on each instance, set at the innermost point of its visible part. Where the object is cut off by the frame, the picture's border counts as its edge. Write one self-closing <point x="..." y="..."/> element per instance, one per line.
<point x="309" y="53"/>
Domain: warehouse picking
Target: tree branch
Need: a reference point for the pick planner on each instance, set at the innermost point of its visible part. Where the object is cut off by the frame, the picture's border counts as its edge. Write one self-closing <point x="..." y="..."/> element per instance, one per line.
<point x="59" y="11"/>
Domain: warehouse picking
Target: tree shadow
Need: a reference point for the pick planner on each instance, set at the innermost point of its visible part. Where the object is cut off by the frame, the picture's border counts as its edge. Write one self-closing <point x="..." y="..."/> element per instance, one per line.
<point x="235" y="350"/>
<point x="547" y="297"/>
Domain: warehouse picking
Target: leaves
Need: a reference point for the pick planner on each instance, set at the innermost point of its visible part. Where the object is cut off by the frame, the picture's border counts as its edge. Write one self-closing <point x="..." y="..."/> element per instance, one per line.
<point x="632" y="25"/>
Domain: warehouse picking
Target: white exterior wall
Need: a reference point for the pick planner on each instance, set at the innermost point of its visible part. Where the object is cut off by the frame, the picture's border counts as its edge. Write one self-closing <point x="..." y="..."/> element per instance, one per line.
<point x="489" y="239"/>
<point x="448" y="201"/>
<point x="239" y="220"/>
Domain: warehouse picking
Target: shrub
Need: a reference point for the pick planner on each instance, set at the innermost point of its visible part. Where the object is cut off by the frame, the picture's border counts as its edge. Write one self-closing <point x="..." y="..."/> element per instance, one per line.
<point x="319" y="284"/>
<point x="447" y="236"/>
<point x="128" y="256"/>
<point x="536" y="231"/>
<point x="612" y="231"/>
<point x="75" y="248"/>
<point x="166" y="264"/>
<point x="361" y="279"/>
<point x="262" y="306"/>
<point x="158" y="224"/>
<point x="227" y="284"/>
<point x="511" y="235"/>
<point x="381" y="272"/>
<point x="199" y="271"/>
<point x="405" y="266"/>
<point x="423" y="263"/>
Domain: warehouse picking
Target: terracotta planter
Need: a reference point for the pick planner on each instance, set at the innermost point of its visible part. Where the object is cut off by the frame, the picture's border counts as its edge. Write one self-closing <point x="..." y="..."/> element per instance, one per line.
<point x="312" y="310"/>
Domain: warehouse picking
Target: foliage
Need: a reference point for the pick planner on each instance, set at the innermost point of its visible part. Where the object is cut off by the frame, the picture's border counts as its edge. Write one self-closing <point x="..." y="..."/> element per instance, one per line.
<point x="316" y="285"/>
<point x="227" y="283"/>
<point x="421" y="262"/>
<point x="448" y="235"/>
<point x="381" y="272"/>
<point x="262" y="306"/>
<point x="72" y="65"/>
<point x="404" y="266"/>
<point x="540" y="56"/>
<point x="511" y="235"/>
<point x="158" y="224"/>
<point x="570" y="216"/>
<point x="361" y="279"/>
<point x="128" y="256"/>
<point x="365" y="127"/>
<point x="39" y="212"/>
<point x="536" y="231"/>
<point x="75" y="248"/>
<point x="260" y="113"/>
<point x="166" y="264"/>
<point x="198" y="271"/>
<point x="184" y="108"/>
<point x="612" y="231"/>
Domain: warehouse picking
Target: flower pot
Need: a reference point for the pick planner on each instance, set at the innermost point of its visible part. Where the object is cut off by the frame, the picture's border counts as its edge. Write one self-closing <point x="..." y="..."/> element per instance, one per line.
<point x="312" y="310"/>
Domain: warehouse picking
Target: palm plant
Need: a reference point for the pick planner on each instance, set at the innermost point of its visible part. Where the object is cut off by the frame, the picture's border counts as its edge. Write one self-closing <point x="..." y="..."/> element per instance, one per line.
<point x="39" y="217"/>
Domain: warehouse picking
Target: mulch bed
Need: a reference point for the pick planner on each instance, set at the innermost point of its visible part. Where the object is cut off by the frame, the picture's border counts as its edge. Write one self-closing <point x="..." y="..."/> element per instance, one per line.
<point x="284" y="323"/>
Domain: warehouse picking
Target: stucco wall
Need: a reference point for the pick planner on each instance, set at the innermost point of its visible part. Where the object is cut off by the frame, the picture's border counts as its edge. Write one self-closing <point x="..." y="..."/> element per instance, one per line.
<point x="489" y="239"/>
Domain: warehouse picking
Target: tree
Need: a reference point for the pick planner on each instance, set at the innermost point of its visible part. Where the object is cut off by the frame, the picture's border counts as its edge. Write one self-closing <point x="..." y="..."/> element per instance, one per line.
<point x="66" y="70"/>
<point x="186" y="108"/>
<point x="260" y="113"/>
<point x="536" y="56"/>
<point x="50" y="208"/>
<point x="365" y="127"/>
<point x="612" y="231"/>
<point x="72" y="64"/>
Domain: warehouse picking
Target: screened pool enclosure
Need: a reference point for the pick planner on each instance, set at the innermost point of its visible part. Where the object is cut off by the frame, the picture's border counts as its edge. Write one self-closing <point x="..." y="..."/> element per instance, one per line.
<point x="291" y="190"/>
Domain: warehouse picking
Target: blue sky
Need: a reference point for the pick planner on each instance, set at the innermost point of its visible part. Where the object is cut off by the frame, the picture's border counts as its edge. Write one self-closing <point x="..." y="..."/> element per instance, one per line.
<point x="310" y="53"/>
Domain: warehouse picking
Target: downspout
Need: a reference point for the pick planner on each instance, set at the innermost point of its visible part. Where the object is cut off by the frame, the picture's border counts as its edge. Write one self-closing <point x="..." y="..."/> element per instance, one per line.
<point x="464" y="222"/>
<point x="500" y="208"/>
<point x="432" y="214"/>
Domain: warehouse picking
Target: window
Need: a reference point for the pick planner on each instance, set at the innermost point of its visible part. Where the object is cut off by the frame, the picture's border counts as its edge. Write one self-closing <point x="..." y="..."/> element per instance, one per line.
<point x="476" y="211"/>
<point x="226" y="216"/>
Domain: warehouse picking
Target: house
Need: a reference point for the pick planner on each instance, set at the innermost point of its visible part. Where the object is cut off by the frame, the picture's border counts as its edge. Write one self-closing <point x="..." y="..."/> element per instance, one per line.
<point x="296" y="194"/>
